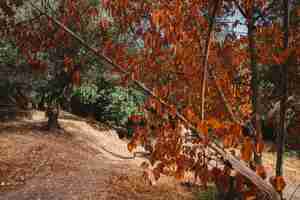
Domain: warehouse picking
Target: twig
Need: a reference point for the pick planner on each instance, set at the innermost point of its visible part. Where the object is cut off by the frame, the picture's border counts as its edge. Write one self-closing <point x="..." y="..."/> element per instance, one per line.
<point x="205" y="61"/>
<point x="244" y="13"/>
<point x="222" y="95"/>
<point x="238" y="165"/>
<point x="241" y="9"/>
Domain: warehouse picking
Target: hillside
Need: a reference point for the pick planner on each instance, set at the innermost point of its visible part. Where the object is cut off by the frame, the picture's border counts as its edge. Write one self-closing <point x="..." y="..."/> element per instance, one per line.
<point x="86" y="160"/>
<point x="78" y="162"/>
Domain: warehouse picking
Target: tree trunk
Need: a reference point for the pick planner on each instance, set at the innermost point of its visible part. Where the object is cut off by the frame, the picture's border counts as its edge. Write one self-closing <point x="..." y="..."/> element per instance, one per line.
<point x="235" y="163"/>
<point x="254" y="83"/>
<point x="52" y="114"/>
<point x="284" y="94"/>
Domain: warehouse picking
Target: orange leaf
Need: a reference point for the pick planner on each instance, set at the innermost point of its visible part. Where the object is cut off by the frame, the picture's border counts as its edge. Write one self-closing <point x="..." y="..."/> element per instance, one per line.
<point x="298" y="12"/>
<point x="131" y="145"/>
<point x="249" y="196"/>
<point x="214" y="123"/>
<point x="259" y="146"/>
<point x="76" y="77"/>
<point x="228" y="141"/>
<point x="189" y="114"/>
<point x="179" y="174"/>
<point x="202" y="127"/>
<point x="278" y="183"/>
<point x="236" y="130"/>
<point x="247" y="149"/>
<point x="156" y="17"/>
<point x="68" y="62"/>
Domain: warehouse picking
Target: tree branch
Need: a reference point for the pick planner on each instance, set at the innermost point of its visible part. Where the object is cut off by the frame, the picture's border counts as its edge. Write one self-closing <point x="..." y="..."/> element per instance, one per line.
<point x="222" y="95"/>
<point x="284" y="94"/>
<point x="238" y="165"/>
<point x="240" y="9"/>
<point x="206" y="53"/>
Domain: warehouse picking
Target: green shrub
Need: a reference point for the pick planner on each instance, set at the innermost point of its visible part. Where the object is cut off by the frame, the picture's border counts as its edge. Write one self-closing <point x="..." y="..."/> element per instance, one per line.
<point x="107" y="102"/>
<point x="118" y="104"/>
<point x="8" y="53"/>
<point x="50" y="92"/>
<point x="87" y="93"/>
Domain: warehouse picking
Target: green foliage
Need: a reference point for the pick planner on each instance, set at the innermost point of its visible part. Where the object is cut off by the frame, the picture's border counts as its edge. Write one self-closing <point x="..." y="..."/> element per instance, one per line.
<point x="10" y="65"/>
<point x="94" y="2"/>
<point x="12" y="61"/>
<point x="50" y="91"/>
<point x="87" y="93"/>
<point x="8" y="53"/>
<point x="99" y="95"/>
<point x="124" y="102"/>
<point x="108" y="102"/>
<point x="118" y="103"/>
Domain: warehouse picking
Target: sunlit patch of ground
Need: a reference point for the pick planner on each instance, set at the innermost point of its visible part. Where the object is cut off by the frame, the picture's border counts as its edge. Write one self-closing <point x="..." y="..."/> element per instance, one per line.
<point x="72" y="164"/>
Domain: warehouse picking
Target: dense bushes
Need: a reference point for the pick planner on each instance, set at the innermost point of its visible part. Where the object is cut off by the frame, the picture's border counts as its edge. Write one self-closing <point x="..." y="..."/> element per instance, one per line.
<point x="106" y="102"/>
<point x="122" y="103"/>
<point x="8" y="53"/>
<point x="97" y="96"/>
<point x="84" y="99"/>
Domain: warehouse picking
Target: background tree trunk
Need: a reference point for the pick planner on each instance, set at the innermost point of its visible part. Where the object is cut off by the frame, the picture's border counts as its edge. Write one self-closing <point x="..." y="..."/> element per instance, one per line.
<point x="52" y="114"/>
<point x="254" y="81"/>
<point x="284" y="94"/>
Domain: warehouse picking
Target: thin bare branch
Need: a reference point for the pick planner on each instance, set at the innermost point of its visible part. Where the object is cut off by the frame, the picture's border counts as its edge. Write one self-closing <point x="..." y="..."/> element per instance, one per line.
<point x="237" y="164"/>
<point x="206" y="53"/>
<point x="240" y="9"/>
<point x="222" y="95"/>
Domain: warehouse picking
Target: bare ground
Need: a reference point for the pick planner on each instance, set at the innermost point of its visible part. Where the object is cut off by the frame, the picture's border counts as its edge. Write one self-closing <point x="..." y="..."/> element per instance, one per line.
<point x="291" y="173"/>
<point x="73" y="163"/>
<point x="83" y="161"/>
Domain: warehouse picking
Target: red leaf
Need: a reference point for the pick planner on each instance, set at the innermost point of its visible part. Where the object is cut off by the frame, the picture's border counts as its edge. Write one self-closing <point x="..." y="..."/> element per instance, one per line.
<point x="76" y="77"/>
<point x="247" y="149"/>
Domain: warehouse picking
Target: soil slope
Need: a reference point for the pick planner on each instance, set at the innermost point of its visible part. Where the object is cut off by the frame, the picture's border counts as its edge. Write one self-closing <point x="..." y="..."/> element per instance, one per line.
<point x="78" y="162"/>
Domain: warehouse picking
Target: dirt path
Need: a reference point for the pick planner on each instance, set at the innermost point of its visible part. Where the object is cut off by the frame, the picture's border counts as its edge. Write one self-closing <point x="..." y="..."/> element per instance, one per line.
<point x="75" y="163"/>
<point x="83" y="162"/>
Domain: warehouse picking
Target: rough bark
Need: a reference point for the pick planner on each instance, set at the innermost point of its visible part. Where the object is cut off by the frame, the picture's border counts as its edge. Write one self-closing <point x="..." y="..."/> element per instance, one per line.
<point x="237" y="164"/>
<point x="52" y="114"/>
<point x="254" y="81"/>
<point x="284" y="94"/>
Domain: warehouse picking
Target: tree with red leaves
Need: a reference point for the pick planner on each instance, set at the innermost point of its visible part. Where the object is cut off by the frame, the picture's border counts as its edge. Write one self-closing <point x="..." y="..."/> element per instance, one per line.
<point x="194" y="79"/>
